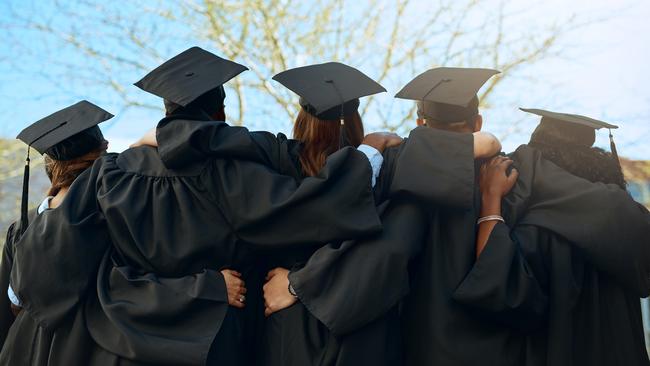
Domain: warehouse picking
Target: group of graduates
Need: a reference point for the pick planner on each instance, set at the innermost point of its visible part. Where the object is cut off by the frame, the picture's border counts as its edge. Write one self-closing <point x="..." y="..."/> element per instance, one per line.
<point x="209" y="244"/>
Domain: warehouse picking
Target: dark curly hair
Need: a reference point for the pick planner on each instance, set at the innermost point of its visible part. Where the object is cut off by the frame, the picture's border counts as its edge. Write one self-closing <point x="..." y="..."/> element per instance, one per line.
<point x="569" y="147"/>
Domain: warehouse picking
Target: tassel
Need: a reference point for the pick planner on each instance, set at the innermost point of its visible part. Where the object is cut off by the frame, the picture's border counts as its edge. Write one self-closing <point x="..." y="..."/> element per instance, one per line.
<point x="612" y="146"/>
<point x="24" y="222"/>
<point x="343" y="140"/>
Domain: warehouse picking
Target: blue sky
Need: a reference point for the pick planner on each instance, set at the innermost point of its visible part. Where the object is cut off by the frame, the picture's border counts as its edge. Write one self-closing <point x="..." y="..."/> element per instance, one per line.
<point x="601" y="72"/>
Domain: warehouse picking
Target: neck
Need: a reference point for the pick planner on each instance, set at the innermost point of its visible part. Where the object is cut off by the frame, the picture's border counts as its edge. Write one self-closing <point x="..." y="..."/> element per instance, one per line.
<point x="58" y="198"/>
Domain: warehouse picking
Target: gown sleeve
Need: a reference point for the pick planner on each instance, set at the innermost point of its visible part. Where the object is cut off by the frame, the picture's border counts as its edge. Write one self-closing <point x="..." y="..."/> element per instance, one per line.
<point x="181" y="142"/>
<point x="601" y="220"/>
<point x="267" y="208"/>
<point x="56" y="259"/>
<point x="6" y="315"/>
<point x="435" y="167"/>
<point x="432" y="165"/>
<point x="348" y="286"/>
<point x="506" y="285"/>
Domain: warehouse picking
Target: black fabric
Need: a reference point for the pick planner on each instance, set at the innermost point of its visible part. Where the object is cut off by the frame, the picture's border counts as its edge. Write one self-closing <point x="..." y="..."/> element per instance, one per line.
<point x="574" y="314"/>
<point x="132" y="231"/>
<point x="6" y="316"/>
<point x="438" y="330"/>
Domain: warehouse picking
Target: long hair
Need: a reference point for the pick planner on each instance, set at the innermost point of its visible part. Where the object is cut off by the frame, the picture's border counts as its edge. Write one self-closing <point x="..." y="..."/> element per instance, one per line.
<point x="63" y="172"/>
<point x="573" y="152"/>
<point x="321" y="138"/>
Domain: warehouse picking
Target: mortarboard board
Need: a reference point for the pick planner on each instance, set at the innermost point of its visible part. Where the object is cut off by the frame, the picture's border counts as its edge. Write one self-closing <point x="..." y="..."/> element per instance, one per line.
<point x="64" y="135"/>
<point x="447" y="94"/>
<point x="188" y="75"/>
<point x="329" y="91"/>
<point x="576" y="123"/>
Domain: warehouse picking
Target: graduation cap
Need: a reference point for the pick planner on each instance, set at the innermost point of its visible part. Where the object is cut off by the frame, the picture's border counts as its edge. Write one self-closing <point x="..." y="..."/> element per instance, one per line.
<point x="63" y="135"/>
<point x="190" y="75"/>
<point x="584" y="126"/>
<point x="329" y="91"/>
<point x="447" y="94"/>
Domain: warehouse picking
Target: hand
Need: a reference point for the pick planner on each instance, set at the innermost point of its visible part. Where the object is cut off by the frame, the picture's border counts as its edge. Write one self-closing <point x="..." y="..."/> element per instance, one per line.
<point x="276" y="291"/>
<point x="149" y="139"/>
<point x="485" y="145"/>
<point x="382" y="140"/>
<point x="236" y="288"/>
<point x="493" y="181"/>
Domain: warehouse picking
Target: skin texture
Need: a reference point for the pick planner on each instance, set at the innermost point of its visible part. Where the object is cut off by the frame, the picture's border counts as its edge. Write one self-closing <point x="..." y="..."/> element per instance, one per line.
<point x="494" y="183"/>
<point x="276" y="291"/>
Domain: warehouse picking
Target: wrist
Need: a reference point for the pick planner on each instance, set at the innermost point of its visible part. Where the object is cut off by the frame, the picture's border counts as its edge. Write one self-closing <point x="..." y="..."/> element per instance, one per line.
<point x="490" y="205"/>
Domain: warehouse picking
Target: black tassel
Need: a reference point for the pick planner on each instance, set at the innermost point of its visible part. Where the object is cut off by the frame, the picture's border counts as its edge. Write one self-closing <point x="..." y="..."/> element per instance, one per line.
<point x="343" y="138"/>
<point x="24" y="221"/>
<point x="612" y="146"/>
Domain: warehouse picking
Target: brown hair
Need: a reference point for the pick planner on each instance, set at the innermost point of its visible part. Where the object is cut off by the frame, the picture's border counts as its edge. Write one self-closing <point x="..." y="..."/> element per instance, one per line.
<point x="320" y="138"/>
<point x="63" y="172"/>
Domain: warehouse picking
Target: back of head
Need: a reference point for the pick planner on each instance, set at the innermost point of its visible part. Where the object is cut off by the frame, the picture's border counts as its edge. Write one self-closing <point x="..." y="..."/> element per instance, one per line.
<point x="570" y="147"/>
<point x="65" y="161"/>
<point x="450" y="117"/>
<point x="209" y="106"/>
<point x="321" y="138"/>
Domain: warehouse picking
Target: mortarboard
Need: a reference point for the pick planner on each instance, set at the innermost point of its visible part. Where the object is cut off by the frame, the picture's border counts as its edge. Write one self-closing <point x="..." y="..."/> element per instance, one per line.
<point x="63" y="135"/>
<point x="577" y="123"/>
<point x="189" y="75"/>
<point x="447" y="94"/>
<point x="329" y="91"/>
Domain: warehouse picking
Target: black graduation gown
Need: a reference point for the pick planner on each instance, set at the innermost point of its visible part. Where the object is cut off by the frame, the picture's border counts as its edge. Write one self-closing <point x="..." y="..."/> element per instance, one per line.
<point x="138" y="247"/>
<point x="567" y="302"/>
<point x="434" y="166"/>
<point x="6" y="316"/>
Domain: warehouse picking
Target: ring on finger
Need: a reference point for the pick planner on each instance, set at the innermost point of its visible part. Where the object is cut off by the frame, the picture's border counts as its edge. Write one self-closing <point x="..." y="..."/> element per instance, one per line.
<point x="242" y="298"/>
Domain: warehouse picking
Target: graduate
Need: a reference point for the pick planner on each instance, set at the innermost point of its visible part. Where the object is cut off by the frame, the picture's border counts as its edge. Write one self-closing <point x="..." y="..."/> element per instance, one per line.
<point x="576" y="304"/>
<point x="154" y="239"/>
<point x="313" y="323"/>
<point x="71" y="141"/>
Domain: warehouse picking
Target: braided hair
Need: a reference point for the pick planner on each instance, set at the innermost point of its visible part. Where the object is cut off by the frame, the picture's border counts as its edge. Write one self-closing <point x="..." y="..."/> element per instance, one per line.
<point x="569" y="147"/>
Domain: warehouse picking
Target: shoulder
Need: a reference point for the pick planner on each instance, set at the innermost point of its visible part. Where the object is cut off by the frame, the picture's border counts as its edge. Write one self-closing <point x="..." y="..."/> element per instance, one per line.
<point x="145" y="161"/>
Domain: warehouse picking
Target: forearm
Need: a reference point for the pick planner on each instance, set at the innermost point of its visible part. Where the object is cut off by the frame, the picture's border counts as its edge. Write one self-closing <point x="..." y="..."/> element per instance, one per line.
<point x="490" y="205"/>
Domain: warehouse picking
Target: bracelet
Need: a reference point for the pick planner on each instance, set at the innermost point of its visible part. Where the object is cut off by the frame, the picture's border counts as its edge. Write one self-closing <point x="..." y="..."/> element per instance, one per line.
<point x="490" y="218"/>
<point x="292" y="291"/>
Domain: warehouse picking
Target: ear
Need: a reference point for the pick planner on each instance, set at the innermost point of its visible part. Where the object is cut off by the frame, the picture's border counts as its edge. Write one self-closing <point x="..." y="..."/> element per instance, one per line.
<point x="421" y="122"/>
<point x="478" y="123"/>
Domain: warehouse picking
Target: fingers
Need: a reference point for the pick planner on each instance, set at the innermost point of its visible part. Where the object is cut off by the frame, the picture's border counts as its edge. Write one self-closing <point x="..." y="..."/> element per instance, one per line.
<point x="512" y="178"/>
